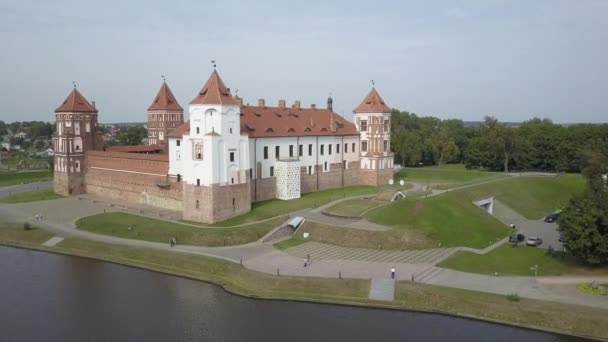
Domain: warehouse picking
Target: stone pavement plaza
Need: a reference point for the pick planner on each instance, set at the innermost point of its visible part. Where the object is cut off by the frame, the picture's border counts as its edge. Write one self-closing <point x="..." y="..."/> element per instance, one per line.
<point x="327" y="261"/>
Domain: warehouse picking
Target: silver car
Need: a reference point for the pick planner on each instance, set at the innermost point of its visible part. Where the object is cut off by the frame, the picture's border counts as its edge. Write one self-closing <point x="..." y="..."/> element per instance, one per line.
<point x="534" y="241"/>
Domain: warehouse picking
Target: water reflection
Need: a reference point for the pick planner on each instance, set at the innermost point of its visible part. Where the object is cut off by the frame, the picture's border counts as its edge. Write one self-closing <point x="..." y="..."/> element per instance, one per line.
<point x="48" y="297"/>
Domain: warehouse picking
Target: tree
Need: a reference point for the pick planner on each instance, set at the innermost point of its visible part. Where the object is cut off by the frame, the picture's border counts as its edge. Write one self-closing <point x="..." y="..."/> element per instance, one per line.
<point x="584" y="222"/>
<point x="132" y="136"/>
<point x="443" y="144"/>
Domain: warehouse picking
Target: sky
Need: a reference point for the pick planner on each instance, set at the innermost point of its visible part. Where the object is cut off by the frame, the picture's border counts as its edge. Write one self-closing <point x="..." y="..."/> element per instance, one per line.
<point x="452" y="59"/>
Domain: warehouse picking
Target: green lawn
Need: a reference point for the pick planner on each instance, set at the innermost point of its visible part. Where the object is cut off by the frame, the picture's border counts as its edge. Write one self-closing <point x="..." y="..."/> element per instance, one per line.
<point x="15" y="234"/>
<point x="12" y="178"/>
<point x="453" y="173"/>
<point x="354" y="207"/>
<point x="446" y="219"/>
<point x="145" y="228"/>
<point x="401" y="239"/>
<point x="275" y="207"/>
<point x="533" y="197"/>
<point x="31" y="196"/>
<point x="508" y="260"/>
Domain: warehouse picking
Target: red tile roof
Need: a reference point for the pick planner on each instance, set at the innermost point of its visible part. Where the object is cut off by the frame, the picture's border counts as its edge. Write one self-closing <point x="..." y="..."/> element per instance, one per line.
<point x="165" y="100"/>
<point x="75" y="103"/>
<point x="180" y="131"/>
<point x="373" y="103"/>
<point x="134" y="149"/>
<point x="285" y="122"/>
<point x="260" y="122"/>
<point x="215" y="92"/>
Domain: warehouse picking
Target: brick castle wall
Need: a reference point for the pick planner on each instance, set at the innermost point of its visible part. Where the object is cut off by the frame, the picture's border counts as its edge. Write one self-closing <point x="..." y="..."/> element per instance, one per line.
<point x="215" y="203"/>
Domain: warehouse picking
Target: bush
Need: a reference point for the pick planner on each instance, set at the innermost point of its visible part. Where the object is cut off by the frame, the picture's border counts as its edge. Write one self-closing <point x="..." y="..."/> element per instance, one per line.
<point x="514" y="297"/>
<point x="550" y="250"/>
<point x="26" y="226"/>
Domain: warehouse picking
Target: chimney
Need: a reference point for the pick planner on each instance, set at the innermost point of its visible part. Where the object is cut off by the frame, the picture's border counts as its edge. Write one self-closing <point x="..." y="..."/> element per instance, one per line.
<point x="261" y="103"/>
<point x="93" y="104"/>
<point x="282" y="104"/>
<point x="296" y="104"/>
<point x="313" y="106"/>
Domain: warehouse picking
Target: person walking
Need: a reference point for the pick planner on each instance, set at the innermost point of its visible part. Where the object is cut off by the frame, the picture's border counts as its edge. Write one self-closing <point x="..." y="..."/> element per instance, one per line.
<point x="305" y="263"/>
<point x="173" y="242"/>
<point x="308" y="258"/>
<point x="392" y="273"/>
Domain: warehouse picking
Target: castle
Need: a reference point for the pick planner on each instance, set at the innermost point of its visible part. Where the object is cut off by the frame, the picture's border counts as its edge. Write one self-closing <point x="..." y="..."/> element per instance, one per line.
<point x="226" y="156"/>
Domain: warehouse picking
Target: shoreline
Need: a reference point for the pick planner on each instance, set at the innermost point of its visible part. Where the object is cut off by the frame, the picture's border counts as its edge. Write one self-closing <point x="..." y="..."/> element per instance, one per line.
<point x="330" y="299"/>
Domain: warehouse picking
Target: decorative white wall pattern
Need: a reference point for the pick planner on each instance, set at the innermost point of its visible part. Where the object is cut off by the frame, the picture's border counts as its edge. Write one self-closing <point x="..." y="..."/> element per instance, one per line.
<point x="288" y="179"/>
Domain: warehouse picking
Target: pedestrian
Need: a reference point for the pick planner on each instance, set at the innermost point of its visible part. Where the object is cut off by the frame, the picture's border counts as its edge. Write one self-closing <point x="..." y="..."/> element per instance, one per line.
<point x="308" y="258"/>
<point x="173" y="242"/>
<point x="412" y="277"/>
<point x="305" y="263"/>
<point x="36" y="217"/>
<point x="392" y="273"/>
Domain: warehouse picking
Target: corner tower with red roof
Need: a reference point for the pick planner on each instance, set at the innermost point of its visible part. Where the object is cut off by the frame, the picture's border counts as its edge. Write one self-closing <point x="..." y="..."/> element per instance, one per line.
<point x="76" y="133"/>
<point x="164" y="116"/>
<point x="372" y="119"/>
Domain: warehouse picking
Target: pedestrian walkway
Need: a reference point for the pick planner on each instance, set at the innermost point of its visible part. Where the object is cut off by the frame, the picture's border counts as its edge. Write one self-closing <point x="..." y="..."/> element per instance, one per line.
<point x="322" y="251"/>
<point x="358" y="223"/>
<point x="52" y="241"/>
<point x="382" y="289"/>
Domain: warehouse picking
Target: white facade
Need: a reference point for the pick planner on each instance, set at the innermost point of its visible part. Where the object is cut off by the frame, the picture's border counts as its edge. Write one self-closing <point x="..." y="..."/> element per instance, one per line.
<point x="288" y="179"/>
<point x="214" y="152"/>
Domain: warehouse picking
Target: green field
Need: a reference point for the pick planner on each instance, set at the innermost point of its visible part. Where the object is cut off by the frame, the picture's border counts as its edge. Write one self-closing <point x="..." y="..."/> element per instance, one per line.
<point x="508" y="260"/>
<point x="266" y="209"/>
<point x="31" y="196"/>
<point x="359" y="238"/>
<point x="447" y="219"/>
<point x="12" y="178"/>
<point x="145" y="228"/>
<point x="449" y="173"/>
<point x="354" y="207"/>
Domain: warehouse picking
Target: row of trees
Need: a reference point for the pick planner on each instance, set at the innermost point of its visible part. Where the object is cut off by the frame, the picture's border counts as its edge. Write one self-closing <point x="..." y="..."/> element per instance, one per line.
<point x="537" y="144"/>
<point x="34" y="129"/>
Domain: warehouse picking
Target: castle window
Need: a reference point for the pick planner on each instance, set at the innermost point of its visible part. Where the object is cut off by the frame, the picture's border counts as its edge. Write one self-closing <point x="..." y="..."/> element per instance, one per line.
<point x="300" y="150"/>
<point x="198" y="151"/>
<point x="310" y="170"/>
<point x="198" y="130"/>
<point x="265" y="152"/>
<point x="364" y="146"/>
<point x="337" y="148"/>
<point x="386" y="125"/>
<point x="344" y="164"/>
<point x="230" y="130"/>
<point x="232" y="180"/>
<point x="198" y="182"/>
<point x="250" y="173"/>
<point x="310" y="149"/>
<point x="291" y="150"/>
<point x="363" y="125"/>
<point x="178" y="142"/>
<point x="354" y="148"/>
<point x="322" y="149"/>
<point x="197" y="204"/>
<point x="385" y="145"/>
<point x="345" y="148"/>
<point x="277" y="149"/>
<point x="272" y="171"/>
<point x="231" y="156"/>
<point x="325" y="166"/>
<point x="329" y="148"/>
<point x="179" y="177"/>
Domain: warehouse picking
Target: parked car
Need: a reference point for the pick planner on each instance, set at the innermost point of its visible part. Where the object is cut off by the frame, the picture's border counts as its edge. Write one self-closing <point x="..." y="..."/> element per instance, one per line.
<point x="517" y="237"/>
<point x="553" y="216"/>
<point x="534" y="241"/>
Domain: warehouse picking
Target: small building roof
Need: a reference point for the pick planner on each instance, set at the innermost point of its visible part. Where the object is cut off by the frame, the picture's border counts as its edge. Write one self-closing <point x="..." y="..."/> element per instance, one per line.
<point x="215" y="92"/>
<point x="165" y="100"/>
<point x="372" y="103"/>
<point x="75" y="103"/>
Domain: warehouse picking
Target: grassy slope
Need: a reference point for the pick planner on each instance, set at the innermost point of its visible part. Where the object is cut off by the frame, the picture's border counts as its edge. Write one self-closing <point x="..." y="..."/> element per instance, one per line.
<point x="145" y="228"/>
<point x="353" y="207"/>
<point x="443" y="174"/>
<point x="358" y="238"/>
<point x="517" y="261"/>
<point x="533" y="197"/>
<point x="31" y="196"/>
<point x="12" y="178"/>
<point x="446" y="219"/>
<point x="561" y="317"/>
<point x="14" y="234"/>
<point x="275" y="207"/>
